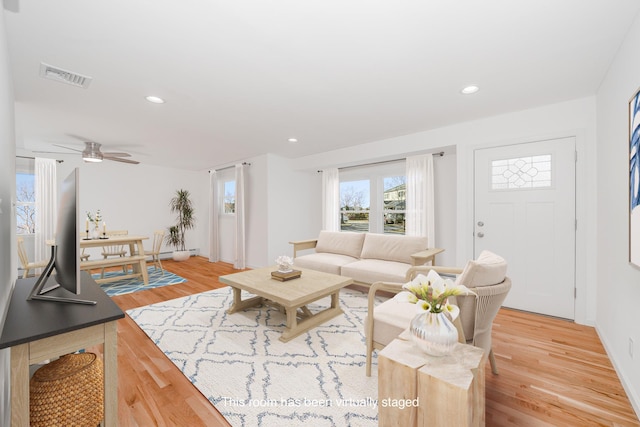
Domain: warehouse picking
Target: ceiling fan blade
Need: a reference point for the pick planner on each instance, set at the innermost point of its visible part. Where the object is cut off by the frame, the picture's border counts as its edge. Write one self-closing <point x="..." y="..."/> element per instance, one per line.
<point x="78" y="137"/>
<point x="116" y="154"/>
<point x="49" y="152"/>
<point x="118" y="159"/>
<point x="68" y="148"/>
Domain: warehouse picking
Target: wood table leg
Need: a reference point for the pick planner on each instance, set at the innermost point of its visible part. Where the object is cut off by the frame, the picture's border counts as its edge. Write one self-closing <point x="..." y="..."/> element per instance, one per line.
<point x="143" y="270"/>
<point x="20" y="385"/>
<point x="239" y="304"/>
<point x="305" y="311"/>
<point x="295" y="328"/>
<point x="110" y="374"/>
<point x="142" y="264"/>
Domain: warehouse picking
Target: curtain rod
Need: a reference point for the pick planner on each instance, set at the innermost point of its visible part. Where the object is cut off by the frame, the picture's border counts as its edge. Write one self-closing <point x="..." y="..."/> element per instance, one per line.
<point x="232" y="166"/>
<point x="33" y="158"/>
<point x="439" y="154"/>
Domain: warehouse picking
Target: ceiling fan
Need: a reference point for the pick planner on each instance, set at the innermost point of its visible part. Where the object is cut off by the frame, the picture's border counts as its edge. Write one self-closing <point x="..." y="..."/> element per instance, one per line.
<point x="92" y="153"/>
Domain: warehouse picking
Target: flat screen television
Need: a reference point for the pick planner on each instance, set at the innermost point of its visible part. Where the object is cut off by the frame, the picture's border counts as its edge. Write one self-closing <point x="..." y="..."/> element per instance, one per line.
<point x="65" y="253"/>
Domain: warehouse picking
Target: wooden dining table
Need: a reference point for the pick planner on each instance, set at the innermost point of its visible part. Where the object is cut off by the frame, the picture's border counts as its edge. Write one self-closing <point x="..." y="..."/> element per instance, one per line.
<point x="136" y="257"/>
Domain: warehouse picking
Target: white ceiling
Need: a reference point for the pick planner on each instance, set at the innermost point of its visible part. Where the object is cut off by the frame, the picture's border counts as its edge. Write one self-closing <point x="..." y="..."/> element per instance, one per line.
<point x="240" y="77"/>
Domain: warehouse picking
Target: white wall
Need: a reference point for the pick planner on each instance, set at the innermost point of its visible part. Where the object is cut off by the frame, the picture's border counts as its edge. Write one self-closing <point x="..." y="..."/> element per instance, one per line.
<point x="256" y="212"/>
<point x="295" y="206"/>
<point x="444" y="176"/>
<point x="135" y="197"/>
<point x="618" y="294"/>
<point x="8" y="257"/>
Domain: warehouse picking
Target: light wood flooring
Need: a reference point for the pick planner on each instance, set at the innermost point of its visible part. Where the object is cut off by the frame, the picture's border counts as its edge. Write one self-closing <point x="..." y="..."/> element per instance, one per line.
<point x="552" y="372"/>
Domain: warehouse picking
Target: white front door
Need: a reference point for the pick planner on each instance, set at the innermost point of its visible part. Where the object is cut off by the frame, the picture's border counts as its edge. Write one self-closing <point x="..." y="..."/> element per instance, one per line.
<point x="525" y="212"/>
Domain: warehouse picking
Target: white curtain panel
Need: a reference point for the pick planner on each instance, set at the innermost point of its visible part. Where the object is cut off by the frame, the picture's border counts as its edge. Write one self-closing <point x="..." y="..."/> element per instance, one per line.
<point x="330" y="200"/>
<point x="46" y="202"/>
<point x="240" y="261"/>
<point x="420" y="199"/>
<point x="214" y="211"/>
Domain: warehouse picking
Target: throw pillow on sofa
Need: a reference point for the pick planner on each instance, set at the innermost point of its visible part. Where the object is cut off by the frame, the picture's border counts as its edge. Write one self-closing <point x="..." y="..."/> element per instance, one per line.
<point x="340" y="242"/>
<point x="392" y="248"/>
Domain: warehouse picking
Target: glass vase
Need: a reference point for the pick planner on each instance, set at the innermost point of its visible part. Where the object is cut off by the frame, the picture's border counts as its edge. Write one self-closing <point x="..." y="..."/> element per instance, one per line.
<point x="95" y="233"/>
<point x="433" y="333"/>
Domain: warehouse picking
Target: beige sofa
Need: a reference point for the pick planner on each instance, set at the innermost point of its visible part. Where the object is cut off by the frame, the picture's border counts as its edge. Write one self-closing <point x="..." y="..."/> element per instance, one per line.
<point x="364" y="257"/>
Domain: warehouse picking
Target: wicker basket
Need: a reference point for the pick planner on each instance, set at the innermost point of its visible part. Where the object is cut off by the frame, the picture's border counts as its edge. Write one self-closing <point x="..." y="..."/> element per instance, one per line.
<point x="68" y="392"/>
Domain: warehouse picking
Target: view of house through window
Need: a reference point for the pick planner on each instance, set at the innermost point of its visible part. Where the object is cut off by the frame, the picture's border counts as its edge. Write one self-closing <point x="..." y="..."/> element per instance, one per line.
<point x="229" y="200"/>
<point x="394" y="197"/>
<point x="25" y="203"/>
<point x="373" y="200"/>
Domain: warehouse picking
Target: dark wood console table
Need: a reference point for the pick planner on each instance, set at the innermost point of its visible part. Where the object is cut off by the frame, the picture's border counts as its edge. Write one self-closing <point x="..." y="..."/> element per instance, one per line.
<point x="39" y="330"/>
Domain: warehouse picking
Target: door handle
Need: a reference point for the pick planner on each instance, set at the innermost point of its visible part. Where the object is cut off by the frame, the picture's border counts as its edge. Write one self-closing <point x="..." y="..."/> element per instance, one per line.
<point x="480" y="234"/>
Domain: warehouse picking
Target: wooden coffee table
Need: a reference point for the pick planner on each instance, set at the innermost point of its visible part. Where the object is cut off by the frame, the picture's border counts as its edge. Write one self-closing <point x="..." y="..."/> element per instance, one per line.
<point x="292" y="295"/>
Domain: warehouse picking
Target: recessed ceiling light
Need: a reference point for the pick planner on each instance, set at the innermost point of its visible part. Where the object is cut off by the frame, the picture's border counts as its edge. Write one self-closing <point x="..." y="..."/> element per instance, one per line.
<point x="155" y="99"/>
<point x="469" y="90"/>
<point x="292" y="140"/>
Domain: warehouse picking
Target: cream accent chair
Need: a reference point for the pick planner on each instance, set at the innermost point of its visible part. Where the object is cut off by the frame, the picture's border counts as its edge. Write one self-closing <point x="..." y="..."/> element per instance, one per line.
<point x="486" y="277"/>
<point x="24" y="259"/>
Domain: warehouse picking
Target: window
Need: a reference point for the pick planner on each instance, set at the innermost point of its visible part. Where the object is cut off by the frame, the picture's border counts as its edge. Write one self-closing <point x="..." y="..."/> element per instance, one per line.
<point x="25" y="199"/>
<point x="372" y="199"/>
<point x="229" y="199"/>
<point x="521" y="172"/>
<point x="394" y="204"/>
<point x="354" y="205"/>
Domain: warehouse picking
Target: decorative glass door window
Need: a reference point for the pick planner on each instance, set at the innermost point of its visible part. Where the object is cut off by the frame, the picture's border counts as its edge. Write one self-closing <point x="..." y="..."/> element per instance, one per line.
<point x="521" y="172"/>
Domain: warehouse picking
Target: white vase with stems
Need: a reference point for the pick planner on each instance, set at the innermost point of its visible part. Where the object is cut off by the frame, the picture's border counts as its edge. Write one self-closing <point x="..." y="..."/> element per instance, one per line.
<point x="95" y="232"/>
<point x="433" y="333"/>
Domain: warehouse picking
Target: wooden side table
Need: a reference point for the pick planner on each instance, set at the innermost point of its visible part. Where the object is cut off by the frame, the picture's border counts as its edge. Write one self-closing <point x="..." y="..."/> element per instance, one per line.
<point x="415" y="389"/>
<point x="39" y="330"/>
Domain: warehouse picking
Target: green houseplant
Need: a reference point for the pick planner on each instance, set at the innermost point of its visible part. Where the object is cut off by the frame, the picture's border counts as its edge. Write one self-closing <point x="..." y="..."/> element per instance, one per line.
<point x="182" y="206"/>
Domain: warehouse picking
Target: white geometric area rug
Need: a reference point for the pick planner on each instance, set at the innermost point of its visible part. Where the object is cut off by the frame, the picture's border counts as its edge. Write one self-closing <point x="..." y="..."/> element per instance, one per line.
<point x="237" y="361"/>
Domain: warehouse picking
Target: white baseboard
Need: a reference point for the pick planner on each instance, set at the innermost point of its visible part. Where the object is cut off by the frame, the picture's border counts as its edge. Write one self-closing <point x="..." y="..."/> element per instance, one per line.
<point x="631" y="393"/>
<point x="169" y="254"/>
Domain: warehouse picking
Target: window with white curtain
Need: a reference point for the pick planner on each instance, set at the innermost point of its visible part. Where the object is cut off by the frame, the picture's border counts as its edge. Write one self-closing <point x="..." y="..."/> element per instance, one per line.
<point x="25" y="196"/>
<point x="372" y="198"/>
<point x="229" y="198"/>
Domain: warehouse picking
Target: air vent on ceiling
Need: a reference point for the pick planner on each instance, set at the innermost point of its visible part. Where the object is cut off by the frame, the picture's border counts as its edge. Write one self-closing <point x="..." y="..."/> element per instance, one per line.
<point x="63" y="76"/>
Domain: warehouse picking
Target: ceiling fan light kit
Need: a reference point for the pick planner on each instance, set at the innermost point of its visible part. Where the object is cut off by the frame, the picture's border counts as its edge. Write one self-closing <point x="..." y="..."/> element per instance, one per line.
<point x="92" y="153"/>
<point x="91" y="157"/>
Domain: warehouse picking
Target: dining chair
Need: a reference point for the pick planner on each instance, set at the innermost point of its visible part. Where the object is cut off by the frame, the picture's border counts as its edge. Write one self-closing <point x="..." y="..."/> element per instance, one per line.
<point x="24" y="259"/>
<point x="84" y="256"/>
<point x="115" y="250"/>
<point x="485" y="276"/>
<point x="154" y="253"/>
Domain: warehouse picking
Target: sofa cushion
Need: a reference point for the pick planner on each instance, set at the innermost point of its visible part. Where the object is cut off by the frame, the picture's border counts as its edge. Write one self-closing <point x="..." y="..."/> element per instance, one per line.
<point x="392" y="248"/>
<point x="374" y="270"/>
<point x="324" y="261"/>
<point x="487" y="269"/>
<point x="392" y="318"/>
<point x="340" y="242"/>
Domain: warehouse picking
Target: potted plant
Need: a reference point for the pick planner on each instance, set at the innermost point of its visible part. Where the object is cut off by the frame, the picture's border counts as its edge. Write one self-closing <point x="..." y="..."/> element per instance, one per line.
<point x="181" y="205"/>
